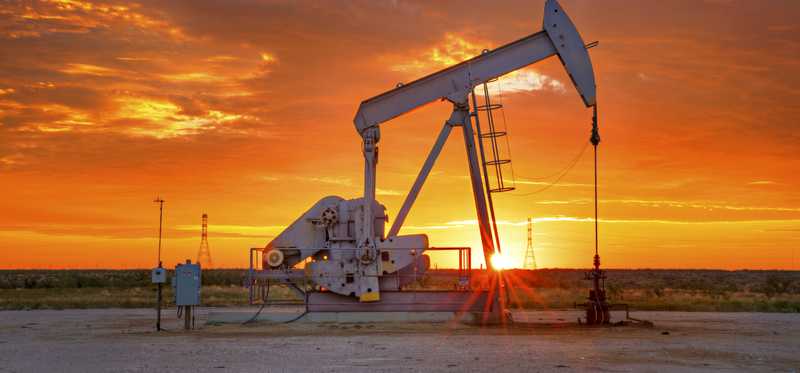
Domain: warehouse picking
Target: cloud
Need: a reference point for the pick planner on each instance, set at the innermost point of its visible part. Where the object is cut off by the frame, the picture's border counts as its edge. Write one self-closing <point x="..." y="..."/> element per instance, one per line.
<point x="703" y="205"/>
<point x="80" y="17"/>
<point x="86" y="110"/>
<point x="559" y="184"/>
<point x="564" y="202"/>
<point x="221" y="58"/>
<point x="88" y="69"/>
<point x="342" y="181"/>
<point x="12" y="160"/>
<point x="267" y="57"/>
<point x="227" y="230"/>
<point x="388" y="192"/>
<point x="202" y="77"/>
<point x="460" y="224"/>
<point x="526" y="80"/>
<point x="142" y="232"/>
<point x="69" y="97"/>
<point x="163" y="119"/>
<point x="455" y="49"/>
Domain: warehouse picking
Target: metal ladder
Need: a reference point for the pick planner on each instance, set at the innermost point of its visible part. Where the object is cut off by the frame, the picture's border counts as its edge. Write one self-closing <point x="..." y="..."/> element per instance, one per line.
<point x="495" y="162"/>
<point x="499" y="156"/>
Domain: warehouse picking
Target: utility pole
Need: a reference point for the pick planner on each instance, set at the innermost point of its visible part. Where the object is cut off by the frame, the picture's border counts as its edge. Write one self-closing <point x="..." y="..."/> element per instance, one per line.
<point x="158" y="296"/>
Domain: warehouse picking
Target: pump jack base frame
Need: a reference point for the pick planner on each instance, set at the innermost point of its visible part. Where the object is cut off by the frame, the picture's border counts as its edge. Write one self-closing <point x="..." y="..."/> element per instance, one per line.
<point x="465" y="306"/>
<point x="402" y="301"/>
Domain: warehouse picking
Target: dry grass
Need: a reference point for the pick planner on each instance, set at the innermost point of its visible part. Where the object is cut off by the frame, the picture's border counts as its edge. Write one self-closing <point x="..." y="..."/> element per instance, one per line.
<point x="674" y="290"/>
<point x="669" y="300"/>
<point x="95" y="297"/>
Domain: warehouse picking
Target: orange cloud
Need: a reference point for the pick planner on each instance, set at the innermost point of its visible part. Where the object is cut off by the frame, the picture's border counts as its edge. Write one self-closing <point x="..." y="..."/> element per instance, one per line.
<point x="164" y="118"/>
<point x="72" y="16"/>
<point x="455" y="49"/>
<point x="87" y="69"/>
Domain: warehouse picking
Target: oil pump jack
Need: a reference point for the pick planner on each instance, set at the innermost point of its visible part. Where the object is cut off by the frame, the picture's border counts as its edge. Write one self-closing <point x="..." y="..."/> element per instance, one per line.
<point x="351" y="261"/>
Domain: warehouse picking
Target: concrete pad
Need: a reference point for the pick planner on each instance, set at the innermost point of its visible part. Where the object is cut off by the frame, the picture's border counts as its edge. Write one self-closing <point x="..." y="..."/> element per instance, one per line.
<point x="378" y="317"/>
<point x="285" y="314"/>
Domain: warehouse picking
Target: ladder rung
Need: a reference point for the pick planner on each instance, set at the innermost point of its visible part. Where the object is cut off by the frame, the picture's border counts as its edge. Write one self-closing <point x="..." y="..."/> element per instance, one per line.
<point x="497" y="162"/>
<point x="493" y="135"/>
<point x="501" y="189"/>
<point x="493" y="158"/>
<point x="490" y="107"/>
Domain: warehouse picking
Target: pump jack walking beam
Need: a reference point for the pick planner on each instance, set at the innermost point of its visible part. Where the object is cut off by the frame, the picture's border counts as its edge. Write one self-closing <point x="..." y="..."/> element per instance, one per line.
<point x="558" y="37"/>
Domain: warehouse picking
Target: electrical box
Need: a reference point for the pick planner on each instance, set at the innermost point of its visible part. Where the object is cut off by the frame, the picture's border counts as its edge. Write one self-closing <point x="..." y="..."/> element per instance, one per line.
<point x="159" y="275"/>
<point x="186" y="284"/>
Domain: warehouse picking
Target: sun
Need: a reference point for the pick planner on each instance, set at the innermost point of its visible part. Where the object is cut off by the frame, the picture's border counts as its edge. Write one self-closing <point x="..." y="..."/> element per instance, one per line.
<point x="501" y="262"/>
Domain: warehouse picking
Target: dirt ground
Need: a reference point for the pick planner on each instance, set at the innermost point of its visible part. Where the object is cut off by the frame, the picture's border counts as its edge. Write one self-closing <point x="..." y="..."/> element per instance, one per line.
<point x="123" y="340"/>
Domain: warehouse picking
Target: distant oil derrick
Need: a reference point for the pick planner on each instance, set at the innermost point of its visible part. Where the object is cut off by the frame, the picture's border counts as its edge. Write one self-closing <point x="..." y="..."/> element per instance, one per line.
<point x="204" y="254"/>
<point x="530" y="256"/>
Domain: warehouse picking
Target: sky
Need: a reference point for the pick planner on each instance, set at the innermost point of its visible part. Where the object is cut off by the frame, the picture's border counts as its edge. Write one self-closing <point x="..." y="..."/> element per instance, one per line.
<point x="243" y="110"/>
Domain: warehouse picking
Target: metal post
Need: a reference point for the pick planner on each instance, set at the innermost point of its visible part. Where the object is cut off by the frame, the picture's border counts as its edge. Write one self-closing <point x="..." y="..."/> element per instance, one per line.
<point x="477" y="183"/>
<point x="462" y="273"/>
<point x="251" y="290"/>
<point x="158" y="307"/>
<point x="159" y="286"/>
<point x="187" y="317"/>
<point x="160" y="221"/>
<point x="469" y="267"/>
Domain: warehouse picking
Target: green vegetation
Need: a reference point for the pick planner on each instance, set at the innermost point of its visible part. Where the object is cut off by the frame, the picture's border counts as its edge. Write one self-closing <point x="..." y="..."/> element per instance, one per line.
<point x="673" y="290"/>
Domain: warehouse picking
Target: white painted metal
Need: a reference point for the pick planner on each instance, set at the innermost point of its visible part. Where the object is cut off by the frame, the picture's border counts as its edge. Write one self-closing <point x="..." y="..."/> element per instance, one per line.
<point x="454" y="82"/>
<point x="571" y="50"/>
<point x="274" y="258"/>
<point x="330" y="233"/>
<point x="367" y="251"/>
<point x="158" y="275"/>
